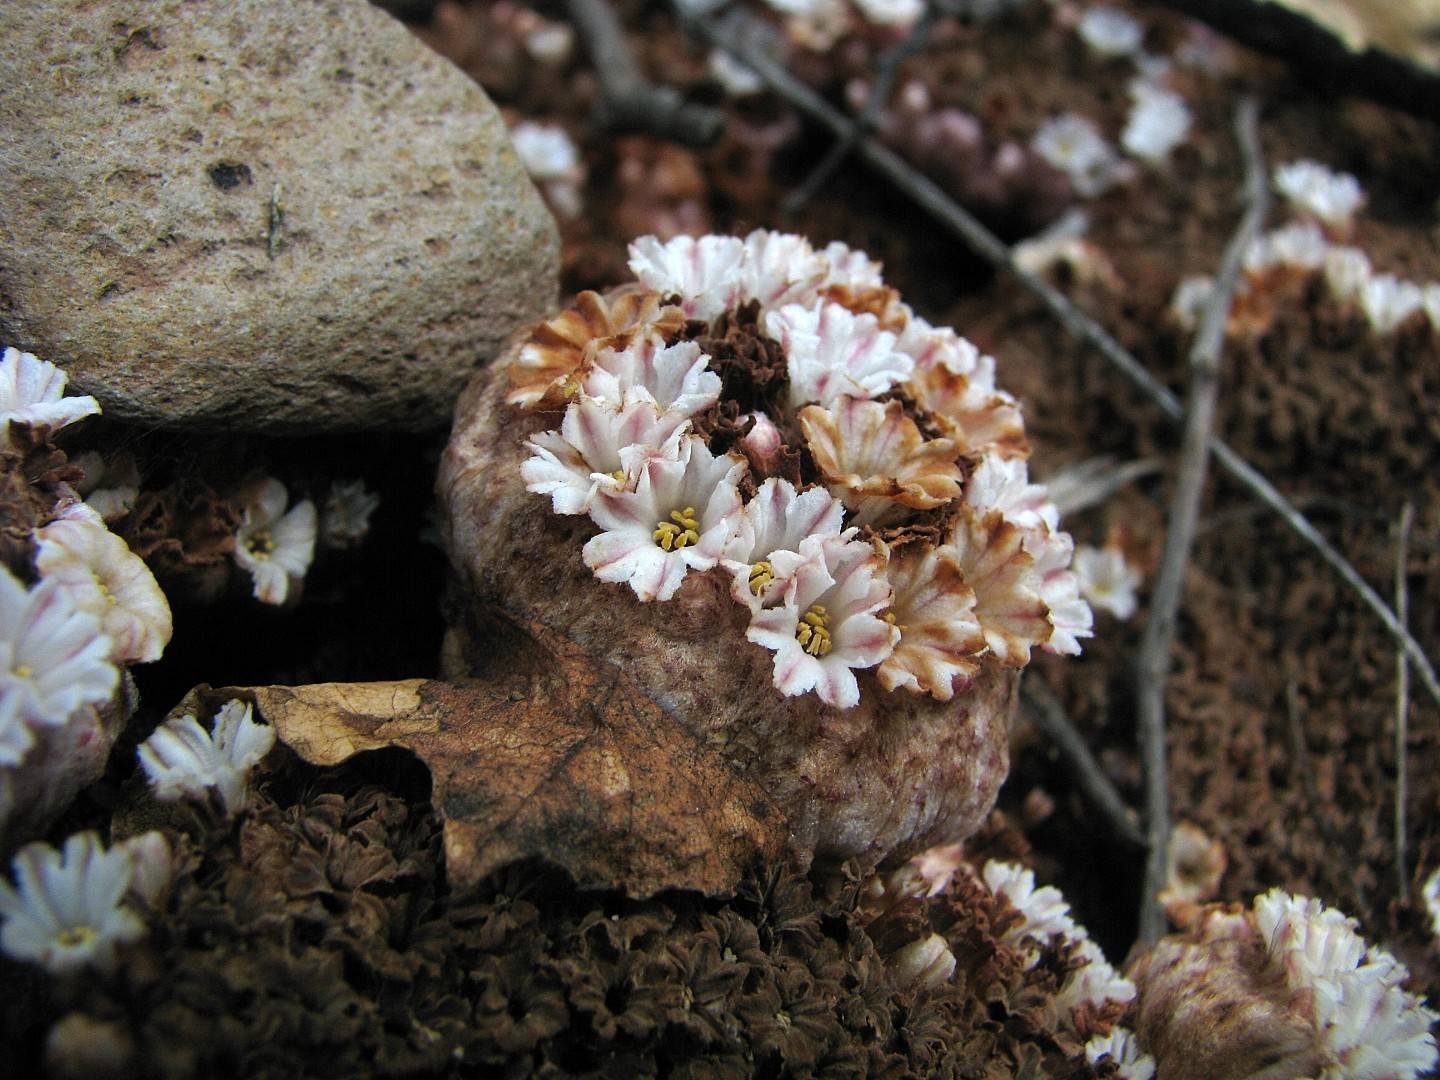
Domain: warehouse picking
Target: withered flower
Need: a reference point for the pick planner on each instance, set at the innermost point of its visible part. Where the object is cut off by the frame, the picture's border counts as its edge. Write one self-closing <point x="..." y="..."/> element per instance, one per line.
<point x="543" y="371"/>
<point x="940" y="637"/>
<point x="876" y="460"/>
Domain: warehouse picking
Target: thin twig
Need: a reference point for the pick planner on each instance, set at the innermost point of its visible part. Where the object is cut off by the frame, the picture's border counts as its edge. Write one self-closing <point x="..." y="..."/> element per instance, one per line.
<point x="728" y="34"/>
<point x="1402" y="701"/>
<point x="1158" y="639"/>
<point x="628" y="101"/>
<point x="887" y="70"/>
<point x="1046" y="712"/>
<point x="277" y="222"/>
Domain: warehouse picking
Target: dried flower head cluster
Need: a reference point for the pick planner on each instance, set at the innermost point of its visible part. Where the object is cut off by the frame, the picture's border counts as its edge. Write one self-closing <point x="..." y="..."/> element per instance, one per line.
<point x="1288" y="988"/>
<point x="774" y="414"/>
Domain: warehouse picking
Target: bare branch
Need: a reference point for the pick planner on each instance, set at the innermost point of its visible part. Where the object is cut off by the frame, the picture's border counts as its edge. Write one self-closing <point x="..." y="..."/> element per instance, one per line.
<point x="1158" y="640"/>
<point x="728" y="34"/>
<point x="628" y="101"/>
<point x="1046" y="712"/>
<point x="1402" y="701"/>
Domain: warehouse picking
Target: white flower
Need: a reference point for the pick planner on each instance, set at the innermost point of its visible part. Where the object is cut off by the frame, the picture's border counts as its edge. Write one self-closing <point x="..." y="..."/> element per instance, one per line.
<point x="1313" y="189"/>
<point x="598" y="446"/>
<point x="704" y="273"/>
<point x="1158" y="122"/>
<point x="345" y="520"/>
<point x="65" y="911"/>
<point x="815" y="24"/>
<point x="1003" y="484"/>
<point x="32" y="391"/>
<point x="781" y="268"/>
<point x="107" y="579"/>
<point x="851" y="268"/>
<point x="1121" y="1047"/>
<point x="120" y="477"/>
<point x="923" y="964"/>
<point x="832" y="352"/>
<point x="776" y="519"/>
<point x="737" y="80"/>
<point x="1431" y="893"/>
<point x="899" y="13"/>
<point x="1069" y="615"/>
<point x="550" y="42"/>
<point x="152" y="865"/>
<point x="1060" y="243"/>
<point x="1045" y="913"/>
<point x="1095" y="981"/>
<point x="1190" y="299"/>
<point x="182" y="759"/>
<point x="1107" y="581"/>
<point x="1298" y="246"/>
<point x="1387" y="302"/>
<point x="1110" y="32"/>
<point x="1347" y="271"/>
<point x="546" y="151"/>
<point x="274" y="546"/>
<point x="1075" y="146"/>
<point x="827" y="623"/>
<point x="54" y="660"/>
<point x="675" y="378"/>
<point x="679" y="518"/>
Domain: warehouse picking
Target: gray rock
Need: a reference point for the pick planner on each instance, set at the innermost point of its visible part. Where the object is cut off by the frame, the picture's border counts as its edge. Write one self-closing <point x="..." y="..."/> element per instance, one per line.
<point x="260" y="216"/>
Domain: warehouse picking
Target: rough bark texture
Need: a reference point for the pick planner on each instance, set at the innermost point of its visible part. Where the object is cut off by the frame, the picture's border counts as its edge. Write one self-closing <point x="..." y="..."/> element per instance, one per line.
<point x="257" y="216"/>
<point x="879" y="782"/>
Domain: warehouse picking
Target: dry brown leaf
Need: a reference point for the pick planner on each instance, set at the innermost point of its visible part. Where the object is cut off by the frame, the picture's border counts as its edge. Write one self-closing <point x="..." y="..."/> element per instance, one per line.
<point x="545" y="755"/>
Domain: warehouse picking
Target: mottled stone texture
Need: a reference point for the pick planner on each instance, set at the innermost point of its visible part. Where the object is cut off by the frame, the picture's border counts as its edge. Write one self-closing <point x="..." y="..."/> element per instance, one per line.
<point x="879" y="782"/>
<point x="255" y="215"/>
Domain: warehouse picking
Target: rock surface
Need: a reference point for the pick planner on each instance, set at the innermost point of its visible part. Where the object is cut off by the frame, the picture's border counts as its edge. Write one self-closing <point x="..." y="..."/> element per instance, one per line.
<point x="257" y="216"/>
<point x="880" y="782"/>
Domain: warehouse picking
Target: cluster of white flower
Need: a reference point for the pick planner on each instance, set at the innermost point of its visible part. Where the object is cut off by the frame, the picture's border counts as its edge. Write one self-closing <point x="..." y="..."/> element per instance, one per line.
<point x="1302" y="248"/>
<point x="68" y="910"/>
<point x="1431" y="894"/>
<point x="1368" y="1025"/>
<point x="903" y="424"/>
<point x="95" y="605"/>
<point x="1046" y="917"/>
<point x="181" y="758"/>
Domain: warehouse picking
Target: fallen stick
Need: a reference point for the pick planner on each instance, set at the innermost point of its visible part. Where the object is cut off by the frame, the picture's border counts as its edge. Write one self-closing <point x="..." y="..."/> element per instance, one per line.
<point x="1152" y="669"/>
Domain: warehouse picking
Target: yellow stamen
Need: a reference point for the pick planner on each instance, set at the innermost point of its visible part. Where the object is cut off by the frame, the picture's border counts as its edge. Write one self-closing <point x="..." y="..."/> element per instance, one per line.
<point x="24" y="671"/>
<point x="261" y="544"/>
<point x="681" y="531"/>
<point x="889" y="617"/>
<point x="618" y="476"/>
<point x="72" y="936"/>
<point x="813" y="631"/>
<point x="761" y="574"/>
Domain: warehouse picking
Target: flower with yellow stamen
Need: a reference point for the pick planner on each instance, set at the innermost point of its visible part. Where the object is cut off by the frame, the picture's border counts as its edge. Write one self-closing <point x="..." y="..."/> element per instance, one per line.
<point x="678" y="518"/>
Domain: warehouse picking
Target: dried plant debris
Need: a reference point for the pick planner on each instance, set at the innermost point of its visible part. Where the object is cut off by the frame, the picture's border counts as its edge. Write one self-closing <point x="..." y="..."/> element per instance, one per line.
<point x="545" y="756"/>
<point x="317" y="935"/>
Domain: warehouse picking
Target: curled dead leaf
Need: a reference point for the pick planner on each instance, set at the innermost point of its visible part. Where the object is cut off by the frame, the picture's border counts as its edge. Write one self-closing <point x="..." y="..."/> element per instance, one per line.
<point x="544" y="754"/>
